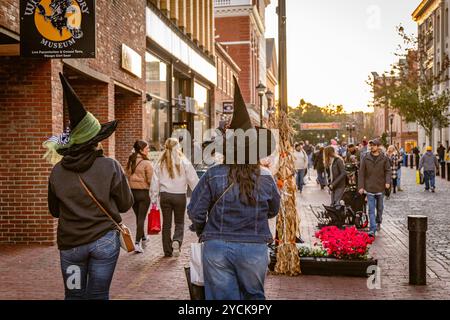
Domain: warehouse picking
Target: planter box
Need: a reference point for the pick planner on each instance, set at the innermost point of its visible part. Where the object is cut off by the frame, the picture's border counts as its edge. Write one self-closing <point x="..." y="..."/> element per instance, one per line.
<point x="335" y="267"/>
<point x="330" y="266"/>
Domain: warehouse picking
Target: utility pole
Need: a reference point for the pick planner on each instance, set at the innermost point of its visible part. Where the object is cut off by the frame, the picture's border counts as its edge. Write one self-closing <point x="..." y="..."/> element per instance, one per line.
<point x="283" y="55"/>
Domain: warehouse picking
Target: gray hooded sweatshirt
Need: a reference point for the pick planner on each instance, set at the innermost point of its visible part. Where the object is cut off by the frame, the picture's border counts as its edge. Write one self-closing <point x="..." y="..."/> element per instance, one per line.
<point x="429" y="162"/>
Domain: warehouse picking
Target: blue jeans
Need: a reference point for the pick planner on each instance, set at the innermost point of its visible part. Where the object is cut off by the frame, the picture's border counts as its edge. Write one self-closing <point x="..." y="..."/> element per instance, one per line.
<point x="430" y="179"/>
<point x="88" y="269"/>
<point x="375" y="202"/>
<point x="234" y="270"/>
<point x="321" y="178"/>
<point x="399" y="178"/>
<point x="300" y="179"/>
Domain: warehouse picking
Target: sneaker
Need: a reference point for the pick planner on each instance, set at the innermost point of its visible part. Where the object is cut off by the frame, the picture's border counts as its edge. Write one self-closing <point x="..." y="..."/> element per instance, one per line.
<point x="378" y="227"/>
<point x="433" y="190"/>
<point x="371" y="234"/>
<point x="138" y="248"/>
<point x="400" y="190"/>
<point x="176" y="249"/>
<point x="144" y="238"/>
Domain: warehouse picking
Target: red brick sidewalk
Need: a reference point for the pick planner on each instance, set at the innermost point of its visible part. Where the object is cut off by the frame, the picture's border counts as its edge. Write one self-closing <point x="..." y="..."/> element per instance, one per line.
<point x="34" y="273"/>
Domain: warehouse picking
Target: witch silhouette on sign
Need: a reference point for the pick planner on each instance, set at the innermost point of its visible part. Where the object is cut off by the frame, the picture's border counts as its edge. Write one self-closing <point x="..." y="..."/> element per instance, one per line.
<point x="59" y="16"/>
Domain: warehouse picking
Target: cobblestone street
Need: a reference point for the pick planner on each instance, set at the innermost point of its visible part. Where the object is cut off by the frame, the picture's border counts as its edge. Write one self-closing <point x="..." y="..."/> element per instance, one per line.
<point x="33" y="272"/>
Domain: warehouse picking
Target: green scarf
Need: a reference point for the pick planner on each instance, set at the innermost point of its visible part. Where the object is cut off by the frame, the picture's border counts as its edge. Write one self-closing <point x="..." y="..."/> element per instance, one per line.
<point x="86" y="130"/>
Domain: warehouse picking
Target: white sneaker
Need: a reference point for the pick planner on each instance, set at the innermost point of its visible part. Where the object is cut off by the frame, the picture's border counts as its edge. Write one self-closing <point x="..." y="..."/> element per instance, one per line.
<point x="138" y="248"/>
<point x="176" y="249"/>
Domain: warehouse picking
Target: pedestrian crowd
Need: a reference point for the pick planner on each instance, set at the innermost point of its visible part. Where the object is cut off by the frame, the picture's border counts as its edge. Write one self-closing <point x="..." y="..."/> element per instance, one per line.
<point x="377" y="171"/>
<point x="230" y="207"/>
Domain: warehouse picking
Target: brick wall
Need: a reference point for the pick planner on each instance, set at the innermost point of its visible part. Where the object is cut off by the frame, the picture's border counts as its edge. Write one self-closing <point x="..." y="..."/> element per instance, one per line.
<point x="239" y="29"/>
<point x="95" y="97"/>
<point x="119" y="22"/>
<point x="129" y="112"/>
<point x="28" y="115"/>
<point x="9" y="15"/>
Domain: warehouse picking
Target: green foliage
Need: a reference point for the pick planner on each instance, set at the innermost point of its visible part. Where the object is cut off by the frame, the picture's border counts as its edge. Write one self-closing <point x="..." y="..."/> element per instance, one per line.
<point x="309" y="113"/>
<point x="314" y="252"/>
<point x="410" y="87"/>
<point x="384" y="139"/>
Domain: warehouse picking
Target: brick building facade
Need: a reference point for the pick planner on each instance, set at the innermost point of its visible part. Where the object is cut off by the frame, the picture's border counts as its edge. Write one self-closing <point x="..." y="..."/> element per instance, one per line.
<point x="240" y="29"/>
<point x="31" y="99"/>
<point x="224" y="93"/>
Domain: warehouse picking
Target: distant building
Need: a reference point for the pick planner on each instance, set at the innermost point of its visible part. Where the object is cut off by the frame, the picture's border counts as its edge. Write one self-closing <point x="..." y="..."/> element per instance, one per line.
<point x="271" y="67"/>
<point x="224" y="93"/>
<point x="240" y="29"/>
<point x="433" y="28"/>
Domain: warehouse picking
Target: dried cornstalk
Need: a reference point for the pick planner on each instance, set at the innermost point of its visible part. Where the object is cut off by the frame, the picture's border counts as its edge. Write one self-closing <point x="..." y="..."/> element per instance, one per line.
<point x="288" y="222"/>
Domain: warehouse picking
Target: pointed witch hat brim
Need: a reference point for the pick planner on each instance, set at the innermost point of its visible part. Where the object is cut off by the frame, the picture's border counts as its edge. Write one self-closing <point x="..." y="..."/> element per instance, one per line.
<point x="256" y="144"/>
<point x="77" y="112"/>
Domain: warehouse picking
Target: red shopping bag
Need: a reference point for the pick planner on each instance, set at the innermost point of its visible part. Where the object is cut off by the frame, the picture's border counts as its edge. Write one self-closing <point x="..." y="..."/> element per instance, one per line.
<point x="154" y="220"/>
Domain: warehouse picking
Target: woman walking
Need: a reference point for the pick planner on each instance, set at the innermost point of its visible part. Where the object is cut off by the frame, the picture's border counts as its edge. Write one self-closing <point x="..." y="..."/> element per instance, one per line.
<point x="174" y="174"/>
<point x="319" y="165"/>
<point x="395" y="165"/>
<point x="336" y="174"/>
<point x="139" y="172"/>
<point x="230" y="210"/>
<point x="301" y="165"/>
<point x="87" y="238"/>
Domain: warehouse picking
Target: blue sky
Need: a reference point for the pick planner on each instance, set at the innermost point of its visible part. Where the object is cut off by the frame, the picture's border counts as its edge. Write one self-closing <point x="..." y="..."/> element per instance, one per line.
<point x="333" y="45"/>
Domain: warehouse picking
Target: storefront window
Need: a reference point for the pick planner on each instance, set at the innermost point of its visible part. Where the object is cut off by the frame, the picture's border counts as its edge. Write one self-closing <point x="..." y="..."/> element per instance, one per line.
<point x="201" y="118"/>
<point x="156" y="110"/>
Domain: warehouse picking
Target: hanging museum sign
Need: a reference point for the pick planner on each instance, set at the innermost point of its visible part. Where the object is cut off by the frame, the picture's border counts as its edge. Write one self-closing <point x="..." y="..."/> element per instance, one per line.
<point x="56" y="29"/>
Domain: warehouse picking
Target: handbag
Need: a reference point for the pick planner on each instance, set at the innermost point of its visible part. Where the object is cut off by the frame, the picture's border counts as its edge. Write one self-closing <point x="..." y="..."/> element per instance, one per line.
<point x="126" y="239"/>
<point x="196" y="264"/>
<point x="154" y="220"/>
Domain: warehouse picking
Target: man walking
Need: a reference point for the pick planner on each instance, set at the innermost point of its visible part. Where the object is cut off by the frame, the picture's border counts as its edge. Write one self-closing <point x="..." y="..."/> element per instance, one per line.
<point x="430" y="165"/>
<point x="416" y="153"/>
<point x="374" y="178"/>
<point x="309" y="149"/>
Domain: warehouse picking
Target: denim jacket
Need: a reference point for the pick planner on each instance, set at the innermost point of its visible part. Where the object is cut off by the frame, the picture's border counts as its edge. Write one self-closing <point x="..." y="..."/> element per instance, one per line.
<point x="231" y="220"/>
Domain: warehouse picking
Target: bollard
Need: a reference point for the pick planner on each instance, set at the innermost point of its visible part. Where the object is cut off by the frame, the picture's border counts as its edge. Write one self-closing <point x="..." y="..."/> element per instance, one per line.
<point x="417" y="226"/>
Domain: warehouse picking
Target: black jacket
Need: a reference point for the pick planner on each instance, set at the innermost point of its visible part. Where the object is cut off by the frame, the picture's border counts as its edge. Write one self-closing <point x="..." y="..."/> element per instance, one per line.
<point x="318" y="161"/>
<point x="339" y="174"/>
<point x="80" y="220"/>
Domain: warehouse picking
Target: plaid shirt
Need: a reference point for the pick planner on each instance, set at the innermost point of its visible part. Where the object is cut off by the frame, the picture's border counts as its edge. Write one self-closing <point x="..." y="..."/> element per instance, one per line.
<point x="232" y="220"/>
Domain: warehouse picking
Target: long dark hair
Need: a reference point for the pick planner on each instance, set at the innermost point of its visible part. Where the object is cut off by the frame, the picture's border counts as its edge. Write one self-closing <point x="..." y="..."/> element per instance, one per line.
<point x="246" y="176"/>
<point x="138" y="147"/>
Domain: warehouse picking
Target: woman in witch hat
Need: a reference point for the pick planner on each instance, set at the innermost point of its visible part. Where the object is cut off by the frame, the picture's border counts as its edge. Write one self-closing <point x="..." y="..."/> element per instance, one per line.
<point x="87" y="238"/>
<point x="230" y="209"/>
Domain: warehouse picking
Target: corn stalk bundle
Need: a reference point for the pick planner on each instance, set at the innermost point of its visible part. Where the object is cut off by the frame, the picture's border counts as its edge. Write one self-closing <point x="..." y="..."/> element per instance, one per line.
<point x="288" y="222"/>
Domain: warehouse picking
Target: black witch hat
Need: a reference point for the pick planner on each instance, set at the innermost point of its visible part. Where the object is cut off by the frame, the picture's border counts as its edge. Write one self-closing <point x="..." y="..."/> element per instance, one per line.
<point x="244" y="143"/>
<point x="78" y="114"/>
<point x="84" y="132"/>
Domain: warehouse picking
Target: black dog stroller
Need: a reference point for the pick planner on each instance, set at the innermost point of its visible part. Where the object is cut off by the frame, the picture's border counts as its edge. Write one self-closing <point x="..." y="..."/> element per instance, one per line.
<point x="352" y="209"/>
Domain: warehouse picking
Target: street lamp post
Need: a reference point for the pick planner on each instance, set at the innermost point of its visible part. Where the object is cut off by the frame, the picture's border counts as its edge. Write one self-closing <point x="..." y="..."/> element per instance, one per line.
<point x="261" y="89"/>
<point x="350" y="128"/>
<point x="391" y="120"/>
